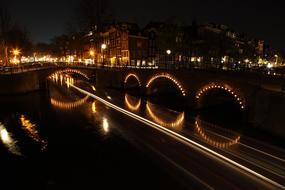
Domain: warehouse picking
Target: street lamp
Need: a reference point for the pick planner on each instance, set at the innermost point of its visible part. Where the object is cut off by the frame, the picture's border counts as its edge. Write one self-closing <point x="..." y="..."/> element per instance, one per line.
<point x="103" y="47"/>
<point x="276" y="56"/>
<point x="168" y="52"/>
<point x="92" y="53"/>
<point x="16" y="52"/>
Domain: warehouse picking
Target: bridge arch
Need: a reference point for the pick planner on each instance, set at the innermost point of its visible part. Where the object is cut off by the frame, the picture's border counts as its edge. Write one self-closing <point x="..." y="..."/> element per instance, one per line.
<point x="75" y="71"/>
<point x="238" y="96"/>
<point x="168" y="77"/>
<point x="132" y="75"/>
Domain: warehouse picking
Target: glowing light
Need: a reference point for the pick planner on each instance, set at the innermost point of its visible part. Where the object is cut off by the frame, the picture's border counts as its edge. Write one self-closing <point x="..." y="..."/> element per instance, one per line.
<point x="91" y="52"/>
<point x="8" y="141"/>
<point x="72" y="71"/>
<point x="226" y="88"/>
<point x="181" y="138"/>
<point x="167" y="76"/>
<point x="134" y="76"/>
<point x="30" y="128"/>
<point x="16" y="52"/>
<point x="93" y="88"/>
<point x="168" y="51"/>
<point x="68" y="105"/>
<point x="94" y="107"/>
<point x="212" y="141"/>
<point x="103" y="46"/>
<point x="133" y="107"/>
<point x="178" y="122"/>
<point x="105" y="125"/>
<point x="109" y="97"/>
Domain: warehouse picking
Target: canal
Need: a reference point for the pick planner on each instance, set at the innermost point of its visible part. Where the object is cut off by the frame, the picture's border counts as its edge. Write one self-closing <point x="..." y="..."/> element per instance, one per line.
<point x="63" y="139"/>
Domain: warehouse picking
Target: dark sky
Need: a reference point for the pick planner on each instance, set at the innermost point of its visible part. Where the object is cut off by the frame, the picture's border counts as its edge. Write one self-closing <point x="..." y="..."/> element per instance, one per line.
<point x="264" y="20"/>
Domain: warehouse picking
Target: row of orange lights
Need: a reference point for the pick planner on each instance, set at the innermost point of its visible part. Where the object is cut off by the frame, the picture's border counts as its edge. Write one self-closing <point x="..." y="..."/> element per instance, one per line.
<point x="132" y="75"/>
<point x="68" y="105"/>
<point x="178" y="122"/>
<point x="212" y="141"/>
<point x="73" y="71"/>
<point x="132" y="107"/>
<point x="210" y="87"/>
<point x="168" y="76"/>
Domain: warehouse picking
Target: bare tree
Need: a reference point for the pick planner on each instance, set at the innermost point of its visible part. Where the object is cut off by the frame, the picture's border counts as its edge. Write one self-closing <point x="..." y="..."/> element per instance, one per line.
<point x="5" y="26"/>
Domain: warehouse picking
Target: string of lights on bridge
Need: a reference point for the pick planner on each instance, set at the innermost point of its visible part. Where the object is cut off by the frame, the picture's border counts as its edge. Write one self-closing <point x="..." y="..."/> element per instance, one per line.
<point x="134" y="76"/>
<point x="206" y="88"/>
<point x="170" y="77"/>
<point x="72" y="71"/>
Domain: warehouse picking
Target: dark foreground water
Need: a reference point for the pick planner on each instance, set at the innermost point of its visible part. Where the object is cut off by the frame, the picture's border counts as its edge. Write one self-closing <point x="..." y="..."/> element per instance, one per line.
<point x="45" y="146"/>
<point x="62" y="139"/>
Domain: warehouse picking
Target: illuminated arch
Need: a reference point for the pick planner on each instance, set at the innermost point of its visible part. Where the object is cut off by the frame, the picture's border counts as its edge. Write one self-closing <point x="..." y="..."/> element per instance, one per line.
<point x="167" y="76"/>
<point x="68" y="105"/>
<point x="72" y="71"/>
<point x="132" y="75"/>
<point x="132" y="107"/>
<point x="238" y="97"/>
<point x="178" y="122"/>
<point x="211" y="141"/>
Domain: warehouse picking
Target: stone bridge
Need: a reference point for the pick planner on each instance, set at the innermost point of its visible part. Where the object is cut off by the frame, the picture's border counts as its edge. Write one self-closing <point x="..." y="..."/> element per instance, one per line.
<point x="261" y="97"/>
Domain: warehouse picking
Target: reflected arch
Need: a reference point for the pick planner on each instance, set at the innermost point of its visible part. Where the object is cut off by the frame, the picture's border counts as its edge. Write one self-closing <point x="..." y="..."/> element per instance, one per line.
<point x="168" y="77"/>
<point x="68" y="105"/>
<point x="227" y="143"/>
<point x="173" y="124"/>
<point x="233" y="92"/>
<point x="133" y="106"/>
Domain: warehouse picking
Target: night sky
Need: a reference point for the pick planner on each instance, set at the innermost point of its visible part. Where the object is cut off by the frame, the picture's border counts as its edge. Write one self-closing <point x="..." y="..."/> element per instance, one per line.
<point x="264" y="20"/>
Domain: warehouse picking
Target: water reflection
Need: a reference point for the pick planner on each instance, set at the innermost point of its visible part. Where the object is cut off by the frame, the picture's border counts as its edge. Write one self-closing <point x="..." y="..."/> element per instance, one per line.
<point x="218" y="141"/>
<point x="163" y="122"/>
<point x="30" y="128"/>
<point x="63" y="78"/>
<point x="8" y="141"/>
<point x="105" y="125"/>
<point x="68" y="105"/>
<point x="132" y="103"/>
<point x="93" y="107"/>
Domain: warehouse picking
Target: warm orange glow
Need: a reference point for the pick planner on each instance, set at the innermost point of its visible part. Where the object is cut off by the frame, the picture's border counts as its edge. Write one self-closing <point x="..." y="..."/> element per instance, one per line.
<point x="212" y="141"/>
<point x="91" y="52"/>
<point x="178" y="122"/>
<point x="68" y="105"/>
<point x="134" y="76"/>
<point x="170" y="77"/>
<point x="31" y="130"/>
<point x="16" y="52"/>
<point x="224" y="87"/>
<point x="93" y="108"/>
<point x="72" y="71"/>
<point x="131" y="106"/>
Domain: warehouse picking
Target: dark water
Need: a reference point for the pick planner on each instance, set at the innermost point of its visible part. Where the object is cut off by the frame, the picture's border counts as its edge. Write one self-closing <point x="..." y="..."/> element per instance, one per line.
<point x="61" y="139"/>
<point x="47" y="145"/>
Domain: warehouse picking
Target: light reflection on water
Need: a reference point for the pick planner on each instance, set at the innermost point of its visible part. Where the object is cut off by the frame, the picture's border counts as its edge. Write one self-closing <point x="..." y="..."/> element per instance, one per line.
<point x="217" y="140"/>
<point x="105" y="125"/>
<point x="178" y="122"/>
<point x="68" y="105"/>
<point x="8" y="141"/>
<point x="132" y="103"/>
<point x="30" y="128"/>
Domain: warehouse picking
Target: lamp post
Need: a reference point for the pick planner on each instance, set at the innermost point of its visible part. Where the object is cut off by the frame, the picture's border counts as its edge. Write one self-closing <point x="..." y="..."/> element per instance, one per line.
<point x="168" y="52"/>
<point x="103" y="47"/>
<point x="16" y="52"/>
<point x="92" y="53"/>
